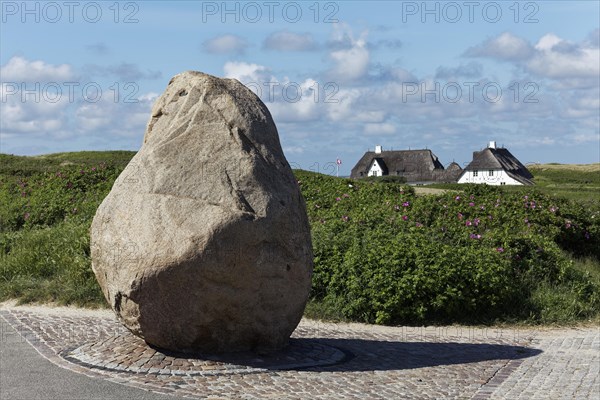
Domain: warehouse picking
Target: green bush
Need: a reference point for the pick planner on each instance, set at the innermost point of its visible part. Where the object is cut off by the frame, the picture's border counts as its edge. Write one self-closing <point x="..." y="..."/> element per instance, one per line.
<point x="386" y="178"/>
<point x="383" y="255"/>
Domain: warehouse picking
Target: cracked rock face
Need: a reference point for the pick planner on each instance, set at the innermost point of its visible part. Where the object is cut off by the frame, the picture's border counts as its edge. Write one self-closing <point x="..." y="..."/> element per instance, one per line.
<point x="203" y="243"/>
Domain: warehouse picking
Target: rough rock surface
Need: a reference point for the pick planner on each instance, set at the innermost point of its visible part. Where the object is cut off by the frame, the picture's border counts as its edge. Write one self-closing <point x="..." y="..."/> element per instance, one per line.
<point x="203" y="243"/>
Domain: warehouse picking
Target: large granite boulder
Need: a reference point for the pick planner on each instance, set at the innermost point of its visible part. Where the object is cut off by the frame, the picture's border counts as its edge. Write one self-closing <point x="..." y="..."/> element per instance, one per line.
<point x="203" y="243"/>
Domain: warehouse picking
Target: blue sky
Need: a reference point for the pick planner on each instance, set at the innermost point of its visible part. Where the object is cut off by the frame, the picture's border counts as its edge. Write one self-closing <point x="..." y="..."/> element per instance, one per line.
<point x="338" y="77"/>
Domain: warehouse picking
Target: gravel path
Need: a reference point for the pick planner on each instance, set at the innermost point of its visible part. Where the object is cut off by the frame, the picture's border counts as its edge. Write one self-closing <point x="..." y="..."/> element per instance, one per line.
<point x="325" y="360"/>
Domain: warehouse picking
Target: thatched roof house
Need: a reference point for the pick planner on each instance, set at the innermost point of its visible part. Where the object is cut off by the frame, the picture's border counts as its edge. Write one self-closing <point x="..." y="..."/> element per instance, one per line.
<point x="416" y="166"/>
<point x="495" y="166"/>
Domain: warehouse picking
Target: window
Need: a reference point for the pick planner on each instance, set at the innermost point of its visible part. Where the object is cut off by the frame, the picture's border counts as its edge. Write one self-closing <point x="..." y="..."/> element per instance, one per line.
<point x="374" y="173"/>
<point x="503" y="183"/>
<point x="475" y="173"/>
<point x="491" y="172"/>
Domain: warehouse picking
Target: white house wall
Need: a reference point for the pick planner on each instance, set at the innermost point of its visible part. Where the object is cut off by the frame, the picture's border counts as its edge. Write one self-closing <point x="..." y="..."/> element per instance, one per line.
<point x="498" y="178"/>
<point x="375" y="167"/>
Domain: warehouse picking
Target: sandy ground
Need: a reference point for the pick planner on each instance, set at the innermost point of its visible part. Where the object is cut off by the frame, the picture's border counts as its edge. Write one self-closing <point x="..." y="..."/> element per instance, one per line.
<point x="464" y="331"/>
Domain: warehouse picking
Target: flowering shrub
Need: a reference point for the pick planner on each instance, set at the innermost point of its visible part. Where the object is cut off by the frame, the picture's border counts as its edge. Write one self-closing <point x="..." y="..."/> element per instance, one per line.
<point x="477" y="255"/>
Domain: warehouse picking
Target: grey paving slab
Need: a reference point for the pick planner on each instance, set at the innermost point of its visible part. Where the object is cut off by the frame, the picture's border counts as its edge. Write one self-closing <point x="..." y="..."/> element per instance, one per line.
<point x="27" y="375"/>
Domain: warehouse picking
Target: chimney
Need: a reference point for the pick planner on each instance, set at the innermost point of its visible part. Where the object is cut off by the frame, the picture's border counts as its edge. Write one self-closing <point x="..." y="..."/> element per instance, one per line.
<point x="492" y="144"/>
<point x="378" y="149"/>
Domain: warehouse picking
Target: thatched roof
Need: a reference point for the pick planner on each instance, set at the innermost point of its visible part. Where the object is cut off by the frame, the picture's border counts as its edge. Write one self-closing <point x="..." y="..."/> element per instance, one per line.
<point x="500" y="158"/>
<point x="415" y="165"/>
<point x="453" y="167"/>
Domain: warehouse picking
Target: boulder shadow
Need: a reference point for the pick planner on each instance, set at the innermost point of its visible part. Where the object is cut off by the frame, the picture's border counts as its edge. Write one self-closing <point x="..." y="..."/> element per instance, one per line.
<point x="378" y="355"/>
<point x="337" y="355"/>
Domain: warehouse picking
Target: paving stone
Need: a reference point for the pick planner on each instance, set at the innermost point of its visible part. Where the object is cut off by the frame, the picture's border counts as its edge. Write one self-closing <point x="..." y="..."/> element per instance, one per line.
<point x="332" y="361"/>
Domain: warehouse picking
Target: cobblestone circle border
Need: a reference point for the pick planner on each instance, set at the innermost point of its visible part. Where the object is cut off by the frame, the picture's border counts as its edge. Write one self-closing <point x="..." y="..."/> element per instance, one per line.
<point x="127" y="353"/>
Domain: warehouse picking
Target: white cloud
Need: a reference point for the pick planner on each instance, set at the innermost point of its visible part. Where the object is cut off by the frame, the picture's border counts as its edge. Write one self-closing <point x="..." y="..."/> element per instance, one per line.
<point x="470" y="70"/>
<point x="225" y="44"/>
<point x="382" y="129"/>
<point x="289" y="41"/>
<point x="557" y="58"/>
<point x="19" y="69"/>
<point x="551" y="57"/>
<point x="349" y="63"/>
<point x="125" y="72"/>
<point x="586" y="138"/>
<point x="99" y="118"/>
<point x="504" y="47"/>
<point x="247" y="72"/>
<point x="30" y="107"/>
<point x="293" y="150"/>
<point x="93" y="116"/>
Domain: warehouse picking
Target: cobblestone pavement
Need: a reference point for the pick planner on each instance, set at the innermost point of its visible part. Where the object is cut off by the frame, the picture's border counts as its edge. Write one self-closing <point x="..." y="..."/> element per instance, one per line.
<point x="329" y="361"/>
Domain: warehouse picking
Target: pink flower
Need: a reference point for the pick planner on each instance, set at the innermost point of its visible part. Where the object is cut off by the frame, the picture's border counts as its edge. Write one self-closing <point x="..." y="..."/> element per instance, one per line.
<point x="460" y="216"/>
<point x="471" y="204"/>
<point x="587" y="235"/>
<point x="419" y="225"/>
<point x="476" y="222"/>
<point x="345" y="195"/>
<point x="468" y="223"/>
<point x="405" y="217"/>
<point x="406" y="204"/>
<point x="500" y="249"/>
<point x="457" y="198"/>
<point x="475" y="236"/>
<point x="345" y="218"/>
<point x="338" y="199"/>
<point x="396" y="207"/>
<point x="553" y="209"/>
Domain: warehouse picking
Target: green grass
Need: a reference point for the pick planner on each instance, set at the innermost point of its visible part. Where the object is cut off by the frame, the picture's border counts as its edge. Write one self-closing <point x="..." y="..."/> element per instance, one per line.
<point x="27" y="166"/>
<point x="49" y="264"/>
<point x="47" y="204"/>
